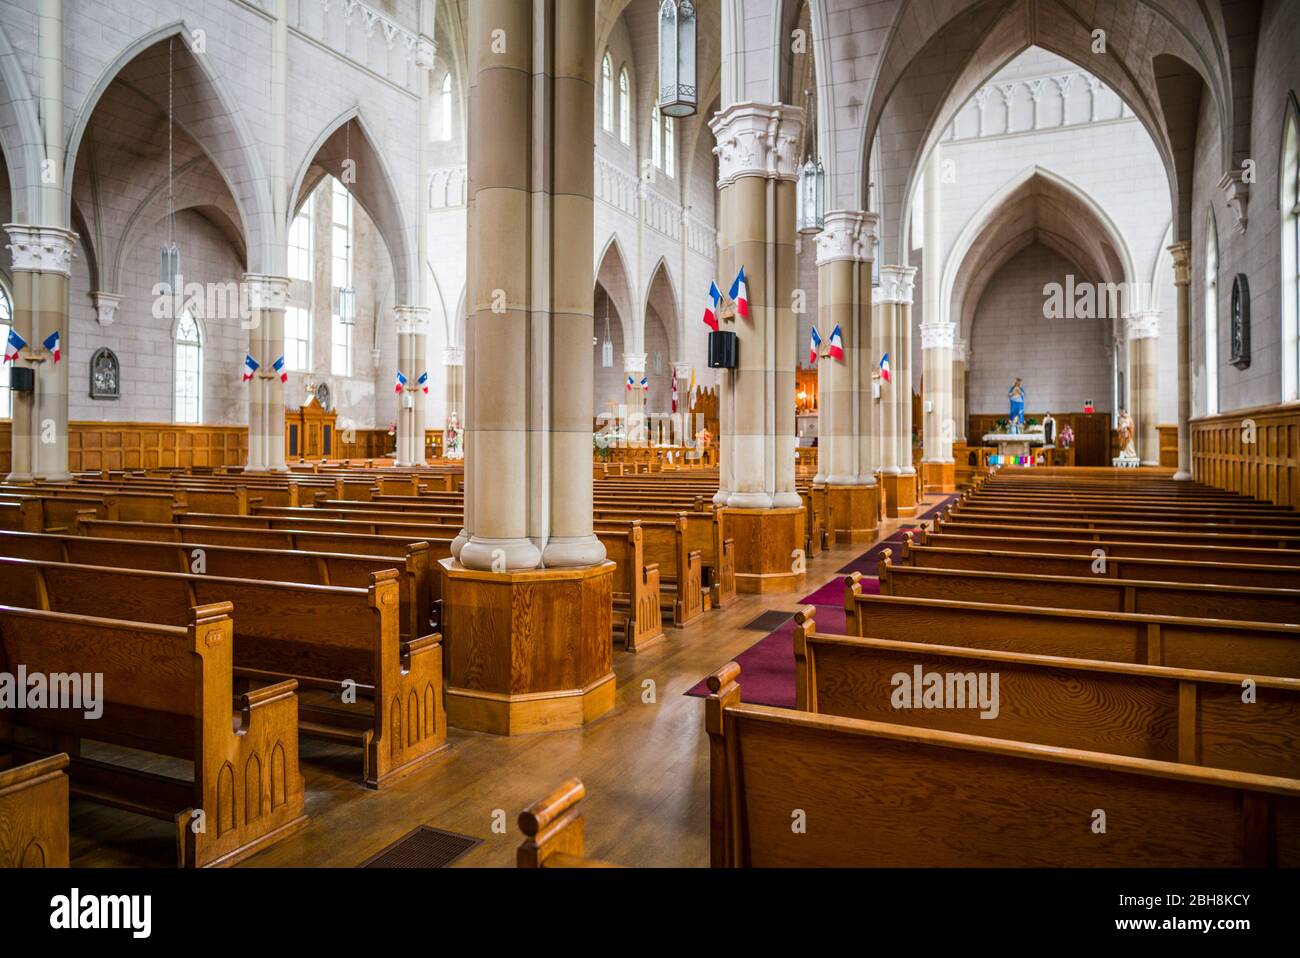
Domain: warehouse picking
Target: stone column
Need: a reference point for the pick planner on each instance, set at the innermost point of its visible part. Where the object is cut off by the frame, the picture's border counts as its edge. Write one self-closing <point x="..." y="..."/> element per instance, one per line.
<point x="528" y="603"/>
<point x="412" y="355"/>
<point x="1182" y="254"/>
<point x="895" y="298"/>
<point x="1143" y="332"/>
<point x="846" y="440"/>
<point x="634" y="399"/>
<point x="42" y="267"/>
<point x="757" y="174"/>
<point x="960" y="357"/>
<point x="267" y="297"/>
<point x="938" y="468"/>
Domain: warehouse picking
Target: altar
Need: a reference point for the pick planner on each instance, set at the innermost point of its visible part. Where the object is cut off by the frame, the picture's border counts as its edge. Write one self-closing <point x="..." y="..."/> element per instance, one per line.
<point x="1014" y="448"/>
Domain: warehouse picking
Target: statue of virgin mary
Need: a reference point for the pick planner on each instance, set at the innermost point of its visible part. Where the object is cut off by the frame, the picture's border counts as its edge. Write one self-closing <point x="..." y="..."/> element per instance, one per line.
<point x="1016" y="394"/>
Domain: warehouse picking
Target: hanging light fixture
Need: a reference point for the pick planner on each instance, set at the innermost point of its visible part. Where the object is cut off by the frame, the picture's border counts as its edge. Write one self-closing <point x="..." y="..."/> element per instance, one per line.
<point x="169" y="259"/>
<point x="607" y="347"/>
<point x="677" y="87"/>
<point x="810" y="212"/>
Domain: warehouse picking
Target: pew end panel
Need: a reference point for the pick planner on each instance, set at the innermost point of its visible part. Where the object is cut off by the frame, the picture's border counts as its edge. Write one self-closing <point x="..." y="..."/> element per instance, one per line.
<point x="34" y="810"/>
<point x="552" y="826"/>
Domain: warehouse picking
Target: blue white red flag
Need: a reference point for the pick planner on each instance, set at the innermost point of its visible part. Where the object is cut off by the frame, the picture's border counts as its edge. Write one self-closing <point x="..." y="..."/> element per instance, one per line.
<point x="251" y="366"/>
<point x="278" y="366"/>
<point x="401" y="382"/>
<point x="740" y="294"/>
<point x="884" y="367"/>
<point x="53" y="344"/>
<point x="711" y="310"/>
<point x="13" y="345"/>
<point x="836" y="348"/>
<point x="813" y="342"/>
<point x="424" y="381"/>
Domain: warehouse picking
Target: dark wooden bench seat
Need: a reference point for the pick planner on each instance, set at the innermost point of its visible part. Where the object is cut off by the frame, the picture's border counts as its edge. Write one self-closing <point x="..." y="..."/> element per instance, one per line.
<point x="34" y="812"/>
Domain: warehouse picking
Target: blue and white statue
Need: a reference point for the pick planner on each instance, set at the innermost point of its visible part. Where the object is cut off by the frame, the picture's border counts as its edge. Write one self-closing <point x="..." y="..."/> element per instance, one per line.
<point x="1017" y="396"/>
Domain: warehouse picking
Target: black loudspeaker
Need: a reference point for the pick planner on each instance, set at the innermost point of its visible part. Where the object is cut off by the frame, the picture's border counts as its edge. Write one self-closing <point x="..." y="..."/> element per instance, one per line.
<point x="22" y="379"/>
<point x="724" y="350"/>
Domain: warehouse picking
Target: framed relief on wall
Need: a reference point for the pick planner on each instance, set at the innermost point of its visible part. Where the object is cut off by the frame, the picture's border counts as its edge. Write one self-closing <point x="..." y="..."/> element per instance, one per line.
<point x="105" y="375"/>
<point x="1239" y="316"/>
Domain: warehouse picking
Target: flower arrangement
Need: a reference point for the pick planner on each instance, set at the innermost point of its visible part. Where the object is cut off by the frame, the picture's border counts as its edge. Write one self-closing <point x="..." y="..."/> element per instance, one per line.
<point x="1003" y="424"/>
<point x="1066" y="438"/>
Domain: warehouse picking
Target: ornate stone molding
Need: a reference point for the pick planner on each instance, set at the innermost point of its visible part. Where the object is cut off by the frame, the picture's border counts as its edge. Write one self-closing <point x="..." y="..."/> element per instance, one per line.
<point x="423" y="52"/>
<point x="267" y="292"/>
<point x="634" y="362"/>
<point x="41" y="249"/>
<point x="938" y="335"/>
<point x="1144" y="324"/>
<point x="848" y="235"/>
<point x="106" y="307"/>
<point x="412" y="319"/>
<point x="1182" y="254"/>
<point x="1236" y="193"/>
<point x="896" y="284"/>
<point x="453" y="356"/>
<point x="757" y="139"/>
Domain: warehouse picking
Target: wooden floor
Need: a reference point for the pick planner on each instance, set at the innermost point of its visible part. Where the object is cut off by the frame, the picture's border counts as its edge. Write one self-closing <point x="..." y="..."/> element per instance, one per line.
<point x="645" y="766"/>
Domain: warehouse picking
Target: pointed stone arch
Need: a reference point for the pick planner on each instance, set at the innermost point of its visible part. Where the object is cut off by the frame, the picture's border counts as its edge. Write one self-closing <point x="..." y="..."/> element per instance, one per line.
<point x="20" y="134"/>
<point x="614" y="277"/>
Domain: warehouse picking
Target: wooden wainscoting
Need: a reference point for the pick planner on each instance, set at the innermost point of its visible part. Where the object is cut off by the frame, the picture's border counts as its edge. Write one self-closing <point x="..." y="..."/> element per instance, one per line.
<point x="152" y="445"/>
<point x="6" y="447"/>
<point x="1268" y="468"/>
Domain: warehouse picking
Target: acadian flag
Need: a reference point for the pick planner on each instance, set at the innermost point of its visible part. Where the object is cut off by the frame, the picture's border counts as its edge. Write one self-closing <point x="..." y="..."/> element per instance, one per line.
<point x="400" y="384"/>
<point x="278" y="366"/>
<point x="423" y="381"/>
<point x="814" y="341"/>
<point x="645" y="383"/>
<point x="884" y="367"/>
<point x="51" y="343"/>
<point x="837" y="343"/>
<point x="13" y="345"/>
<point x="740" y="293"/>
<point x="630" y="382"/>
<point x="711" y="310"/>
<point x="251" y="366"/>
<point x="674" y="389"/>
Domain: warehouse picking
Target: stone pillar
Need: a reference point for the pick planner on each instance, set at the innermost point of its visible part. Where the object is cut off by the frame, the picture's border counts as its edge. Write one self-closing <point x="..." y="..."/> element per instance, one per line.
<point x="897" y="471"/>
<point x="528" y="603"/>
<point x="1182" y="254"/>
<point x="846" y="442"/>
<point x="938" y="468"/>
<point x="1143" y="333"/>
<point x="453" y="365"/>
<point x="267" y="297"/>
<point x="412" y="355"/>
<point x="42" y="267"/>
<point x="634" y="421"/>
<point x="960" y="357"/>
<point x="757" y="174"/>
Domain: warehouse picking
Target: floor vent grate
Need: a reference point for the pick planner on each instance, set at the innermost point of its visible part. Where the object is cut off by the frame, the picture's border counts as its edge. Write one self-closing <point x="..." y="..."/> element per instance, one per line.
<point x="423" y="848"/>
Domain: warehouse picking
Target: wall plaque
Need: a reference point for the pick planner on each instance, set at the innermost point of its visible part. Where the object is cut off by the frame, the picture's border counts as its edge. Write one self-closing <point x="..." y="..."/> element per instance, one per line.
<point x="105" y="375"/>
<point x="1240" y="322"/>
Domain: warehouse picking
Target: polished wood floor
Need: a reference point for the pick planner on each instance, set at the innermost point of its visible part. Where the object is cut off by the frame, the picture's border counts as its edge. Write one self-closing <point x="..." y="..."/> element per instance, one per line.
<point x="645" y="765"/>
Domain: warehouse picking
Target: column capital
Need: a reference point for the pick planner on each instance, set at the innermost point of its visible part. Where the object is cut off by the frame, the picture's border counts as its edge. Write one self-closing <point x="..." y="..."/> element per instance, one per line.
<point x="41" y="249"/>
<point x="896" y="283"/>
<point x="453" y="356"/>
<point x="106" y="306"/>
<point x="849" y="235"/>
<point x="960" y="351"/>
<point x="1144" y="324"/>
<point x="266" y="292"/>
<point x="634" y="362"/>
<point x="757" y="139"/>
<point x="938" y="335"/>
<point x="412" y="319"/>
<point x="1182" y="254"/>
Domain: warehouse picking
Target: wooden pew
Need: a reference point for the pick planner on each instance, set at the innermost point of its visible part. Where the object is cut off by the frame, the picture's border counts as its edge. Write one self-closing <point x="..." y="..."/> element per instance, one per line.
<point x="880" y="794"/>
<point x="1252" y="648"/>
<point x="1144" y="711"/>
<point x="34" y="812"/>
<point x="1103" y="515"/>
<point x="1096" y="592"/>
<point x="62" y="512"/>
<point x="553" y="831"/>
<point x="170" y="690"/>
<point x="1013" y="527"/>
<point x="1083" y="563"/>
<point x="705" y="531"/>
<point x="680" y="568"/>
<point x="139" y="506"/>
<point x="22" y="515"/>
<point x="277" y="565"/>
<point x="327" y="637"/>
<point x="638" y="613"/>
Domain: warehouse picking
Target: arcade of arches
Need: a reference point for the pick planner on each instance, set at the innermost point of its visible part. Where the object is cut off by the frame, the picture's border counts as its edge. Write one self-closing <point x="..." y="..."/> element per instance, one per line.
<point x="418" y="289"/>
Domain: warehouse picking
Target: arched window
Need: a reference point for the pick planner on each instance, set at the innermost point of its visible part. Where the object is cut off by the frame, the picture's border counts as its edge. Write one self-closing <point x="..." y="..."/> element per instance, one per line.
<point x="188" y="405"/>
<point x="656" y="130"/>
<point x="624" y="108"/>
<point x="607" y="95"/>
<point x="670" y="147"/>
<point x="1290" y="207"/>
<point x="1211" y="349"/>
<point x="300" y="246"/>
<point x="444" y="99"/>
<point x="6" y="321"/>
